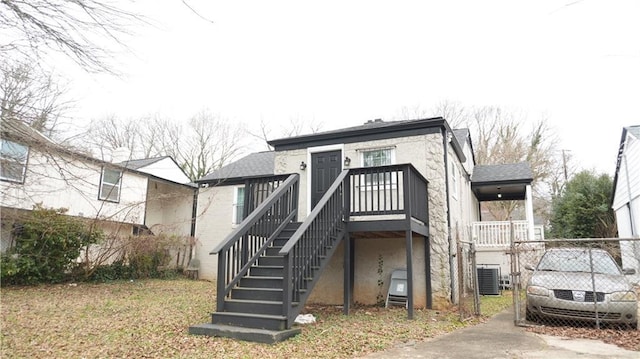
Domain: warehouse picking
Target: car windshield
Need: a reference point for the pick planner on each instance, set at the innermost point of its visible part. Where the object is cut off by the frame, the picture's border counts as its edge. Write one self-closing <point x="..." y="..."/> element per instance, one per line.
<point x="578" y="261"/>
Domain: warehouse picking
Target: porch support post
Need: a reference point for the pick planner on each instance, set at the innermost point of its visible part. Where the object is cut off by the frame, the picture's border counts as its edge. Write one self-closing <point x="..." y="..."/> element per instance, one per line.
<point x="348" y="273"/>
<point x="529" y="210"/>
<point x="409" y="240"/>
<point x="427" y="270"/>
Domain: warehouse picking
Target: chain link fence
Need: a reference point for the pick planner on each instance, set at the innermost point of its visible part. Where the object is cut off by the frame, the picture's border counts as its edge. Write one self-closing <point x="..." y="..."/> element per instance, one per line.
<point x="466" y="281"/>
<point x="591" y="282"/>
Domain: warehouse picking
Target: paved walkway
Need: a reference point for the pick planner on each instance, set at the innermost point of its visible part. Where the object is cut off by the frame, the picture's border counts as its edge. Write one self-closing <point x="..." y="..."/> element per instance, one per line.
<point x="500" y="338"/>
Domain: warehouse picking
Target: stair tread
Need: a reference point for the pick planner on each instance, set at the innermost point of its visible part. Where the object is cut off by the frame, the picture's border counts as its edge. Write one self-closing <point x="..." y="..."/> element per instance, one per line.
<point x="251" y="315"/>
<point x="260" y="289"/>
<point x="257" y="301"/>
<point x="264" y="289"/>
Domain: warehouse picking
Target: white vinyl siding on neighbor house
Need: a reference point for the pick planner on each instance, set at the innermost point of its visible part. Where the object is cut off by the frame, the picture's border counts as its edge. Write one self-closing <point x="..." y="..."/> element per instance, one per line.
<point x="238" y="205"/>
<point x="14" y="161"/>
<point x="110" y="185"/>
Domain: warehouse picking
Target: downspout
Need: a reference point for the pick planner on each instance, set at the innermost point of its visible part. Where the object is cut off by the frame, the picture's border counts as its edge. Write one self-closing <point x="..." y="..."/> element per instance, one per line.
<point x="194" y="214"/>
<point x="445" y="144"/>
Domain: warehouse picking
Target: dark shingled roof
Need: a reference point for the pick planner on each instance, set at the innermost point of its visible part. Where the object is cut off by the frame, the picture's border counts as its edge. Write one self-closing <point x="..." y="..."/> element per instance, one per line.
<point x="253" y="165"/>
<point x="501" y="182"/>
<point x="513" y="172"/>
<point x="377" y="125"/>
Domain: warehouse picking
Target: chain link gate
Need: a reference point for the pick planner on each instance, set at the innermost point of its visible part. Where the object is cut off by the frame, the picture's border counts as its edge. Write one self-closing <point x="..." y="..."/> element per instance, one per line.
<point x="466" y="281"/>
<point x="576" y="282"/>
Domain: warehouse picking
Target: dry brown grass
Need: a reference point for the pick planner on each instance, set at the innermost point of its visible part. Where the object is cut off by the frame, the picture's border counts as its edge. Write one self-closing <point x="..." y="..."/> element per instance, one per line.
<point x="149" y="319"/>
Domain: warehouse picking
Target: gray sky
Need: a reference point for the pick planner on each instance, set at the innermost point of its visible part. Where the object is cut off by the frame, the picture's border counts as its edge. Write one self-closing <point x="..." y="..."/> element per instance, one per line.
<point x="341" y="63"/>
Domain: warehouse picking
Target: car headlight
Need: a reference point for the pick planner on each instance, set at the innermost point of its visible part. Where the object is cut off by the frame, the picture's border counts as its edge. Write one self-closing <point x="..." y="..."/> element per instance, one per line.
<point x="535" y="290"/>
<point x="623" y="296"/>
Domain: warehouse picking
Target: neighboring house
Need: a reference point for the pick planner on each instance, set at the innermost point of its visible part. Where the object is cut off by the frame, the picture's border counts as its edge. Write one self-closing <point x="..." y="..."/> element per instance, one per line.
<point x="626" y="196"/>
<point x="327" y="217"/>
<point x="125" y="199"/>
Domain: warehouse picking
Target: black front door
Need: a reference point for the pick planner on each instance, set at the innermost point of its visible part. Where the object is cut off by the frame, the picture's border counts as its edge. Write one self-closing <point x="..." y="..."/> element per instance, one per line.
<point x="325" y="167"/>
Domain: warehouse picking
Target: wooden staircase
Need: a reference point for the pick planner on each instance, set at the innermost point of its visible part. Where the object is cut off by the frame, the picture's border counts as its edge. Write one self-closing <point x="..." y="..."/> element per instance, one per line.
<point x="257" y="300"/>
<point x="269" y="264"/>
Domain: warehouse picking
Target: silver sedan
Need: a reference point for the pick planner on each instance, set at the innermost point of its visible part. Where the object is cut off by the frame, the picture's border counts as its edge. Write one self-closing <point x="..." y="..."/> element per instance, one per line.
<point x="581" y="284"/>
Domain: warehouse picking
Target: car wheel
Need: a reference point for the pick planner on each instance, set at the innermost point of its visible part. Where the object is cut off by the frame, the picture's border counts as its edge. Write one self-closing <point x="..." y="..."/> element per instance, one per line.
<point x="530" y="317"/>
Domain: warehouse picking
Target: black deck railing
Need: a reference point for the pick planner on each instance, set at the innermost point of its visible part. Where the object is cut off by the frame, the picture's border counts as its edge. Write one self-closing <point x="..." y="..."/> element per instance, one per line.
<point x="382" y="190"/>
<point x="311" y="247"/>
<point x="385" y="190"/>
<point x="240" y="249"/>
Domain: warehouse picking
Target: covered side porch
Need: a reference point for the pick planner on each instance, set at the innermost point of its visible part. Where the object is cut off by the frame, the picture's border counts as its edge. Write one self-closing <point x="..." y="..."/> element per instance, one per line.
<point x="492" y="239"/>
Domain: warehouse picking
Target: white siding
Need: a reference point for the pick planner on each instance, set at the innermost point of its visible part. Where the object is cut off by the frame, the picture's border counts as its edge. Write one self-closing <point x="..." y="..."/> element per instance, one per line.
<point x="64" y="182"/>
<point x="628" y="185"/>
<point x="169" y="208"/>
<point x="213" y="224"/>
<point x="626" y="203"/>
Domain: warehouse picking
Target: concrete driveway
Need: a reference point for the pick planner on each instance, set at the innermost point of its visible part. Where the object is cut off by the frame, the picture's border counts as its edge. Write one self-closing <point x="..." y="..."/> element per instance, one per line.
<point x="500" y="338"/>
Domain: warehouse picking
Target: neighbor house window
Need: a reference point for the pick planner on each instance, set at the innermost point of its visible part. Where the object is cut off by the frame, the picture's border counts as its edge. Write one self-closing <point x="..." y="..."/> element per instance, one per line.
<point x="13" y="160"/>
<point x="376" y="158"/>
<point x="110" y="185"/>
<point x="454" y="180"/>
<point x="238" y="205"/>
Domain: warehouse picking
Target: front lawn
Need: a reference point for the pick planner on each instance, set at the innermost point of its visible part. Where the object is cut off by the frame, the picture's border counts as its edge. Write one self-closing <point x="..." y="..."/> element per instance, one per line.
<point x="150" y="319"/>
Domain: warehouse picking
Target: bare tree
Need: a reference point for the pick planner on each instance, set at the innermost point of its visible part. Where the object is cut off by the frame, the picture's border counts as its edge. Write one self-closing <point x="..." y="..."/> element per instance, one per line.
<point x="110" y="133"/>
<point x="295" y="127"/>
<point x="203" y="144"/>
<point x="208" y="145"/>
<point x="500" y="136"/>
<point x="83" y="30"/>
<point x="454" y="112"/>
<point x="32" y="96"/>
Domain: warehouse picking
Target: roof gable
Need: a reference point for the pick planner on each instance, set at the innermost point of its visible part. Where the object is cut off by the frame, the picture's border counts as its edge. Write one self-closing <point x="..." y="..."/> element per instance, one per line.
<point x="163" y="167"/>
<point x="136" y="164"/>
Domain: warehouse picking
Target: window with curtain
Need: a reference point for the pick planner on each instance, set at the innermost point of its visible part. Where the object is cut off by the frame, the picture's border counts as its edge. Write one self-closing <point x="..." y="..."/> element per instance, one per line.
<point x="13" y="157"/>
<point x="375" y="158"/>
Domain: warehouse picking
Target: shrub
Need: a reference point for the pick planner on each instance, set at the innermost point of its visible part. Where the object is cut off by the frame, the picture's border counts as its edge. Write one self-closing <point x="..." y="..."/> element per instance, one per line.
<point x="149" y="255"/>
<point x="47" y="243"/>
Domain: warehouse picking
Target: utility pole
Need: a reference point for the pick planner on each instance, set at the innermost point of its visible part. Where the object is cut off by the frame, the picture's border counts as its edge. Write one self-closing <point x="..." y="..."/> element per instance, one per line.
<point x="564" y="164"/>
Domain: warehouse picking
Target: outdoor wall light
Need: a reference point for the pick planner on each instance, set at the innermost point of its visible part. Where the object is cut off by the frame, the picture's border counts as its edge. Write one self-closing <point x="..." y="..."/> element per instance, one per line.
<point x="303" y="166"/>
<point x="347" y="161"/>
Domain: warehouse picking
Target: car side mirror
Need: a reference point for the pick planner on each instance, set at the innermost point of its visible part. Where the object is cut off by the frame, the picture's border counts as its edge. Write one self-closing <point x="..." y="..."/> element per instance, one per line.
<point x="629" y="271"/>
<point x="529" y="267"/>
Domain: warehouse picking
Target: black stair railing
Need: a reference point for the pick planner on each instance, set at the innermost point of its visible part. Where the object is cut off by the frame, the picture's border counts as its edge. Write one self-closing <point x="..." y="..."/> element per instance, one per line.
<point x="382" y="191"/>
<point x="240" y="249"/>
<point x="311" y="247"/>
